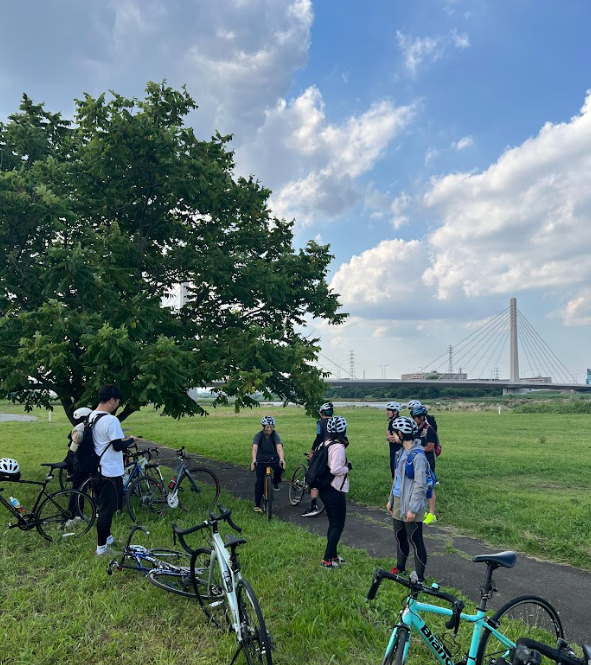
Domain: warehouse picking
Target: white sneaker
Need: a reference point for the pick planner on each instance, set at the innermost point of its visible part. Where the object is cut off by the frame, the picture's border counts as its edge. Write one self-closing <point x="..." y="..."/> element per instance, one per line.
<point x="104" y="550"/>
<point x="110" y="540"/>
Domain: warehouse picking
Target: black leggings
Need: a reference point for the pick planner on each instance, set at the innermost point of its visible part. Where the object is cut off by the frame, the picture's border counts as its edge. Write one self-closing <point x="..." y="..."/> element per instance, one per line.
<point x="261" y="470"/>
<point x="412" y="532"/>
<point x="110" y="493"/>
<point x="335" y="503"/>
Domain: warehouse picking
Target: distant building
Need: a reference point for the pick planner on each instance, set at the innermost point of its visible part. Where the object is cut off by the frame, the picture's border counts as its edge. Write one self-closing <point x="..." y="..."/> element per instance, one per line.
<point x="588" y="382"/>
<point x="435" y="376"/>
<point x="536" y="379"/>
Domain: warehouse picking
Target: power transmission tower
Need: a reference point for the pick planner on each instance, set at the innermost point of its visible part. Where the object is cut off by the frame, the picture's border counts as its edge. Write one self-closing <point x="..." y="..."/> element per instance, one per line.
<point x="352" y="364"/>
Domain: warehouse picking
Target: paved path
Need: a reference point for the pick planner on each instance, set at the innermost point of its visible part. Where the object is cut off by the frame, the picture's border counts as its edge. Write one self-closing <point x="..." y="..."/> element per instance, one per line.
<point x="450" y="554"/>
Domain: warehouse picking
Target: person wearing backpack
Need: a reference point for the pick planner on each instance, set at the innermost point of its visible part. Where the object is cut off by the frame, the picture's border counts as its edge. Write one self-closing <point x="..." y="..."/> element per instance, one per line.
<point x="392" y="412"/>
<point x="414" y="404"/>
<point x="326" y="412"/>
<point x="109" y="443"/>
<point x="408" y="498"/>
<point x="75" y="476"/>
<point x="267" y="450"/>
<point x="430" y="441"/>
<point x="332" y="481"/>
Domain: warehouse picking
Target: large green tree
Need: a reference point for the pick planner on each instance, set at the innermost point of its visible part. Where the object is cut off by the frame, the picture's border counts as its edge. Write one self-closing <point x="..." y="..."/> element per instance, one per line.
<point x="102" y="218"/>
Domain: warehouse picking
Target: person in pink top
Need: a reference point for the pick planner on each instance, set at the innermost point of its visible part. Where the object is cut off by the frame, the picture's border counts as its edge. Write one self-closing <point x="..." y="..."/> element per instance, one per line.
<point x="334" y="495"/>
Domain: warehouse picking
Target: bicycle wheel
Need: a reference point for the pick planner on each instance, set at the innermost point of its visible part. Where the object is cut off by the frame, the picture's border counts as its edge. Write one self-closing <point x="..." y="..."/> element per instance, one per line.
<point x="145" y="499"/>
<point x="91" y="487"/>
<point x="207" y="579"/>
<point x="297" y="487"/>
<point x="174" y="579"/>
<point x="269" y="495"/>
<point x="198" y="491"/>
<point x="396" y="655"/>
<point x="524" y="616"/>
<point x="65" y="515"/>
<point x="255" y="639"/>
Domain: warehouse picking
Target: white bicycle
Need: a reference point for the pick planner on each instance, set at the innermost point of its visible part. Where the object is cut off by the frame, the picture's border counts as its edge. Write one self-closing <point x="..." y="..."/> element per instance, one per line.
<point x="226" y="597"/>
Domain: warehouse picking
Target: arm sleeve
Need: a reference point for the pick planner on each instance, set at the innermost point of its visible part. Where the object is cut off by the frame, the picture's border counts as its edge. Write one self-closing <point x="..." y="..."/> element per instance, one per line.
<point x="120" y="444"/>
<point x="337" y="460"/>
<point x="419" y="485"/>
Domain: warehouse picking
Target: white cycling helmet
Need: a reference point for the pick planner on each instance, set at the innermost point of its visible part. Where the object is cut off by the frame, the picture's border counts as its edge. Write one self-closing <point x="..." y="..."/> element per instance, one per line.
<point x="82" y="412"/>
<point x="413" y="404"/>
<point x="394" y="406"/>
<point x="327" y="408"/>
<point x="267" y="420"/>
<point x="336" y="425"/>
<point x="405" y="425"/>
<point x="9" y="466"/>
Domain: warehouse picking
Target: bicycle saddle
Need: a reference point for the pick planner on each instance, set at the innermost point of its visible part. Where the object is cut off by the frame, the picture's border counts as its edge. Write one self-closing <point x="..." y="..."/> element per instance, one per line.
<point x="56" y="465"/>
<point x="234" y="542"/>
<point x="505" y="559"/>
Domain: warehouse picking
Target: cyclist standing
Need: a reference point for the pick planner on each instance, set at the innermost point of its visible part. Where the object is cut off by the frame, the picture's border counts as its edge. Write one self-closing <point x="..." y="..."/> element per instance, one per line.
<point x="334" y="495"/>
<point x="267" y="450"/>
<point x="392" y="412"/>
<point x="408" y="500"/>
<point x="326" y="412"/>
<point x="428" y="437"/>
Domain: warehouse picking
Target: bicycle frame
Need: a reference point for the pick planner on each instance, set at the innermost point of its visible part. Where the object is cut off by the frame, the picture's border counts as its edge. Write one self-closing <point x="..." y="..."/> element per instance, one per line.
<point x="414" y="622"/>
<point x="231" y="575"/>
<point x="25" y="521"/>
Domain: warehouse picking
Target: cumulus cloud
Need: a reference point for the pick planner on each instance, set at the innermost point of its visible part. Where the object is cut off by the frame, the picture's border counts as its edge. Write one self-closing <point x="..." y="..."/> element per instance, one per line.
<point x="523" y="224"/>
<point x="417" y="51"/>
<point x="327" y="159"/>
<point x="577" y="311"/>
<point x="463" y="143"/>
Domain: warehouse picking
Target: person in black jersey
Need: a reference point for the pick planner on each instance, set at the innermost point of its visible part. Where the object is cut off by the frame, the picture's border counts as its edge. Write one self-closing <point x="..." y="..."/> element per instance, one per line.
<point x="326" y="412"/>
<point x="414" y="403"/>
<point x="392" y="412"/>
<point x="428" y="437"/>
<point x="267" y="450"/>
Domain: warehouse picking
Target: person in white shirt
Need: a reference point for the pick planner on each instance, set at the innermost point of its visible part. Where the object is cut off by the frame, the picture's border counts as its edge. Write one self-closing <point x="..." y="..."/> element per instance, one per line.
<point x="109" y="443"/>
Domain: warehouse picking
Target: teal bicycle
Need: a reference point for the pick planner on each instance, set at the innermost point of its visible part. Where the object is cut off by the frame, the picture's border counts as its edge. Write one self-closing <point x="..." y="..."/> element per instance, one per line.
<point x="493" y="637"/>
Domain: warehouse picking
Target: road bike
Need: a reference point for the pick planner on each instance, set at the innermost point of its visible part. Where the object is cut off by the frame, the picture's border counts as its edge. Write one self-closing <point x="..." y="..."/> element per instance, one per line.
<point x="298" y="487"/>
<point x="192" y="489"/>
<point x="163" y="567"/>
<point x="226" y="597"/>
<point x="57" y="516"/>
<point x="492" y="637"/>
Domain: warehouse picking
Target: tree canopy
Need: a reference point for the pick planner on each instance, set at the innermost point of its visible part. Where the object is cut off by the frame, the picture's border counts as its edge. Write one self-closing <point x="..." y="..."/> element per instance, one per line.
<point x="102" y="218"/>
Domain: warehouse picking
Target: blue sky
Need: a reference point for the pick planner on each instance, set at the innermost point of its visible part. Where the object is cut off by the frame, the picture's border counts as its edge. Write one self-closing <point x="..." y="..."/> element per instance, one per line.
<point x="442" y="147"/>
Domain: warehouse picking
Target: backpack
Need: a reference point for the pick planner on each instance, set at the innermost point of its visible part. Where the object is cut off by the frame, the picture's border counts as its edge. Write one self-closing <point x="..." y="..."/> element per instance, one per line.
<point x="409" y="470"/>
<point x="318" y="473"/>
<point x="85" y="458"/>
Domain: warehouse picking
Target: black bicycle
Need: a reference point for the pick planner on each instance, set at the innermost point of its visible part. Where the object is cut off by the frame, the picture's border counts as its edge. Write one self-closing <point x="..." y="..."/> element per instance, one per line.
<point x="532" y="652"/>
<point x="57" y="516"/>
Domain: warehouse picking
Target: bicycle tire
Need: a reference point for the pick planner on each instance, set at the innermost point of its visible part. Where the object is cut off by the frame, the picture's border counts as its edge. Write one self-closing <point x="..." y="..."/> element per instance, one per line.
<point x="145" y="499"/>
<point x="256" y="642"/>
<point x="91" y="487"/>
<point x="297" y="487"/>
<point x="524" y="616"/>
<point x="396" y="655"/>
<point x="198" y="499"/>
<point x="269" y="495"/>
<point x="65" y="484"/>
<point x="65" y="515"/>
<point x="175" y="580"/>
<point x="209" y="587"/>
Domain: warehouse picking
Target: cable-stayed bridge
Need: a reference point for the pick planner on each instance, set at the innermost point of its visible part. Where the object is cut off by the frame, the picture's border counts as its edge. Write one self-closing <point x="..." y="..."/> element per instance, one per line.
<point x="475" y="361"/>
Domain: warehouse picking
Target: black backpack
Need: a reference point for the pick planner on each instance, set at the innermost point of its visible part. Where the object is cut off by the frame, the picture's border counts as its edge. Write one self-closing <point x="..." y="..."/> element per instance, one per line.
<point x="85" y="458"/>
<point x="318" y="474"/>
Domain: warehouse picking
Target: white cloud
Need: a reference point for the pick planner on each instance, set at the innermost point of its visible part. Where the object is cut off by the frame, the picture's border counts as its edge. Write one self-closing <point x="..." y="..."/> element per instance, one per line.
<point x="523" y="224"/>
<point x="314" y="165"/>
<point x="577" y="311"/>
<point x="463" y="143"/>
<point x="416" y="51"/>
<point x="380" y="331"/>
<point x="430" y="156"/>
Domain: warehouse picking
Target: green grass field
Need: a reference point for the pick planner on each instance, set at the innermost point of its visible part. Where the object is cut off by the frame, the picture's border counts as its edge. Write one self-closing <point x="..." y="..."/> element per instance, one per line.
<point x="518" y="481"/>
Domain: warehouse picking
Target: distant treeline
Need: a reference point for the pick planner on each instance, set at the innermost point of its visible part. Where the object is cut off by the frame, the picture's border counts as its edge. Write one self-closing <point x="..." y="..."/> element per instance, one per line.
<point x="408" y="392"/>
<point x="570" y="406"/>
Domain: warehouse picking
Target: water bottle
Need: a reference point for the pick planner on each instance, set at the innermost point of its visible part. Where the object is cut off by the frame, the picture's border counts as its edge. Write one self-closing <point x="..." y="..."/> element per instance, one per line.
<point x="16" y="504"/>
<point x="172" y="483"/>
